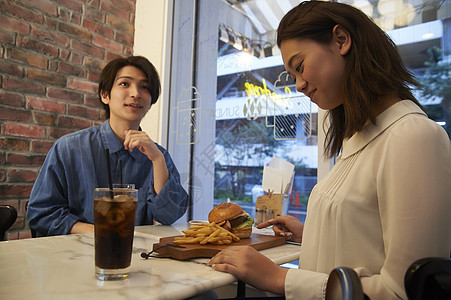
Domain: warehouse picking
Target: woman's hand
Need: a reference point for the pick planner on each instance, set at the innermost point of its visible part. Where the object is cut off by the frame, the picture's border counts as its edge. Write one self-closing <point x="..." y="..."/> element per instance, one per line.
<point x="140" y="139"/>
<point x="248" y="265"/>
<point x="287" y="226"/>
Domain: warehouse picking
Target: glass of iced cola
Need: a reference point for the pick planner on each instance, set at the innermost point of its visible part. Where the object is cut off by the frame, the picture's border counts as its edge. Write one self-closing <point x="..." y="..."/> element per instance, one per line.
<point x="114" y="223"/>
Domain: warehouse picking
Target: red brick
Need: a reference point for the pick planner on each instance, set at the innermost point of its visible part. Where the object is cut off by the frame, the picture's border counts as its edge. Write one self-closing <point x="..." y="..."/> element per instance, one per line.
<point x="75" y="31"/>
<point x="21" y="12"/>
<point x="93" y="101"/>
<point x="46" y="77"/>
<point x="82" y="85"/>
<point x="27" y="57"/>
<point x="47" y="105"/>
<point x="2" y="175"/>
<point x="11" y="99"/>
<point x="53" y="65"/>
<point x="126" y="39"/>
<point x="56" y="133"/>
<point x="107" y="44"/>
<point x="13" y="114"/>
<point x="43" y="6"/>
<point x="94" y="14"/>
<point x="120" y="25"/>
<point x="65" y="94"/>
<point x="50" y="23"/>
<point x="14" y="191"/>
<point x="51" y="37"/>
<point x="27" y="160"/>
<point x="14" y="144"/>
<point x="97" y="27"/>
<point x="71" y="122"/>
<point x="85" y="112"/>
<point x="93" y="4"/>
<point x="41" y="146"/>
<point x="76" y="58"/>
<point x="44" y="118"/>
<point x="21" y="86"/>
<point x="7" y="67"/>
<point x="23" y="206"/>
<point x="94" y="64"/>
<point x="115" y="12"/>
<point x="93" y="76"/>
<point x="37" y="46"/>
<point x="88" y="49"/>
<point x="66" y="15"/>
<point x="64" y="54"/>
<point x="23" y="130"/>
<point x="7" y="37"/>
<point x="19" y="223"/>
<point x="12" y="236"/>
<point x="71" y="69"/>
<point x="71" y="4"/>
<point x="24" y="234"/>
<point x="22" y="175"/>
<point x="14" y="25"/>
<point x="110" y="56"/>
<point x="128" y="6"/>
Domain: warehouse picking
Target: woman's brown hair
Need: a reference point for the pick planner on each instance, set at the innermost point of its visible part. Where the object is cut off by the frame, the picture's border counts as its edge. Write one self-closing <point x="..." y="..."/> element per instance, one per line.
<point x="109" y="73"/>
<point x="374" y="67"/>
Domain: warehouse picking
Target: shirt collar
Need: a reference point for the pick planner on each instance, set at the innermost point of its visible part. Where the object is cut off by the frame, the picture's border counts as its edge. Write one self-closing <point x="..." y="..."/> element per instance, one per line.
<point x="384" y="120"/>
<point x="109" y="139"/>
<point x="112" y="143"/>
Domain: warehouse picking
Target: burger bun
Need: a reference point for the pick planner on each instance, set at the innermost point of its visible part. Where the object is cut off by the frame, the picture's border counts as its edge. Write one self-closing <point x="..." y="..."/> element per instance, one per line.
<point x="224" y="211"/>
<point x="242" y="233"/>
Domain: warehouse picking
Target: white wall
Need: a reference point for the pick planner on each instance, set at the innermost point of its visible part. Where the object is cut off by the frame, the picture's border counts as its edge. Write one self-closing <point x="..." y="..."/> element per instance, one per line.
<point x="153" y="40"/>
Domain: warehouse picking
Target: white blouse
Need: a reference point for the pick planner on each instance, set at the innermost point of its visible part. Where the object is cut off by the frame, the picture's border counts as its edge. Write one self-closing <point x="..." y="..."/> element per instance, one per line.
<point x="385" y="204"/>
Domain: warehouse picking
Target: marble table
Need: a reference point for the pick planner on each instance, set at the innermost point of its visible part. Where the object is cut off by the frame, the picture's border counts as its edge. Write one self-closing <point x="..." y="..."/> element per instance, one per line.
<point x="62" y="267"/>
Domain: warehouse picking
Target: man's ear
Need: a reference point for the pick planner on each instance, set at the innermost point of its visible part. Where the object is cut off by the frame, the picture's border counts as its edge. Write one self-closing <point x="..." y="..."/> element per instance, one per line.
<point x="342" y="38"/>
<point x="105" y="97"/>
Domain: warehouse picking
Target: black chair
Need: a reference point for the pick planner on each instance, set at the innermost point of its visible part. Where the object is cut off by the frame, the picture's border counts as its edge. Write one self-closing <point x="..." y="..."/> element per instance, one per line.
<point x="429" y="278"/>
<point x="344" y="284"/>
<point x="8" y="215"/>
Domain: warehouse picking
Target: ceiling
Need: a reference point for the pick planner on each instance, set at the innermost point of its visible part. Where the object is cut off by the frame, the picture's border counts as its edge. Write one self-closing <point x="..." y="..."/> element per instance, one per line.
<point x="266" y="14"/>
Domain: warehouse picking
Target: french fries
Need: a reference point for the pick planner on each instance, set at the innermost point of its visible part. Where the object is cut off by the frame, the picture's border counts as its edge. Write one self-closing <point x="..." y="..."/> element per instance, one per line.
<point x="206" y="233"/>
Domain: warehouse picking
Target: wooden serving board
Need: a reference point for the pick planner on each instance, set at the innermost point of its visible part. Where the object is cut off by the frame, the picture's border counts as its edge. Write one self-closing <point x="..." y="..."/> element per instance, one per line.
<point x="258" y="241"/>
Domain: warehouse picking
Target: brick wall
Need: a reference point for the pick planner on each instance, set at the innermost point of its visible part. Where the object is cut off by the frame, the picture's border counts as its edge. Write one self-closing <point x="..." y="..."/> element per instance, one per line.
<point x="51" y="55"/>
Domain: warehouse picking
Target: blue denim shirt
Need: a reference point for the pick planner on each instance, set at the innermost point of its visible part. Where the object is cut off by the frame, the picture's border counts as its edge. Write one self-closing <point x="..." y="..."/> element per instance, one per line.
<point x="76" y="165"/>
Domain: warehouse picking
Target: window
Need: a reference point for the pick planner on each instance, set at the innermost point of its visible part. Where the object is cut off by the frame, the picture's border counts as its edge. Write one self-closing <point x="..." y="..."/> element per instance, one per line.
<point x="232" y="108"/>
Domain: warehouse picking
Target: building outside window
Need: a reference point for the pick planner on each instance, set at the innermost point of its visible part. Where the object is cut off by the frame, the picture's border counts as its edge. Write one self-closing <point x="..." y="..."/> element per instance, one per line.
<point x="233" y="108"/>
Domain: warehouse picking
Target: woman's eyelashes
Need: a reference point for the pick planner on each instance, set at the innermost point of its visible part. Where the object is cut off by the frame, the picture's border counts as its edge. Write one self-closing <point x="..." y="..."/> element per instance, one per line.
<point x="300" y="68"/>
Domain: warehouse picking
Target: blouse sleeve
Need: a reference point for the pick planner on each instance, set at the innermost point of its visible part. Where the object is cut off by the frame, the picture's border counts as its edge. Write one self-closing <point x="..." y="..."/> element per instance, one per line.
<point x="413" y="188"/>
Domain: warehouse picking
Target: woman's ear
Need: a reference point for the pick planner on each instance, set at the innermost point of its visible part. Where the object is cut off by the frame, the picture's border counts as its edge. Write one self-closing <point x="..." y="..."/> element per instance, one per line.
<point x="342" y="38"/>
<point x="105" y="97"/>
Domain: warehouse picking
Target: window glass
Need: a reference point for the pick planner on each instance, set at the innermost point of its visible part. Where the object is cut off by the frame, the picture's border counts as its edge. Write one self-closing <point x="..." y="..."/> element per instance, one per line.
<point x="421" y="31"/>
<point x="232" y="109"/>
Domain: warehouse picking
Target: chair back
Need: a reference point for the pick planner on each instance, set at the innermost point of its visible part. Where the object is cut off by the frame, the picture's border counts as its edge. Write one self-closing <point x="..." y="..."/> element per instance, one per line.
<point x="429" y="278"/>
<point x="8" y="215"/>
<point x="344" y="284"/>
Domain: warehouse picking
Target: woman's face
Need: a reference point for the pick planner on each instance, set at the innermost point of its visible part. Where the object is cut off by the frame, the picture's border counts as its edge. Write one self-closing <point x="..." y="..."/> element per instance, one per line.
<point x="130" y="98"/>
<point x="318" y="69"/>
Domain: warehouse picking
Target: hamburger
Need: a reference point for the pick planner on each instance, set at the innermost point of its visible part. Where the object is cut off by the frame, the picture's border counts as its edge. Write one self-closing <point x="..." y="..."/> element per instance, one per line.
<point x="236" y="219"/>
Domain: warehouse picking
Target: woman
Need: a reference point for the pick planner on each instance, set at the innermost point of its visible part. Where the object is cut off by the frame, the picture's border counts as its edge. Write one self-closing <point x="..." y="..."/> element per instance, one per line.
<point x="61" y="200"/>
<point x="386" y="202"/>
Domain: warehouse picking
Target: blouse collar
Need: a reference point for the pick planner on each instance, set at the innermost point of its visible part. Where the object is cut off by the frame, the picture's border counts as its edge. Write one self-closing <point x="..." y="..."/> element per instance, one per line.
<point x="383" y="121"/>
